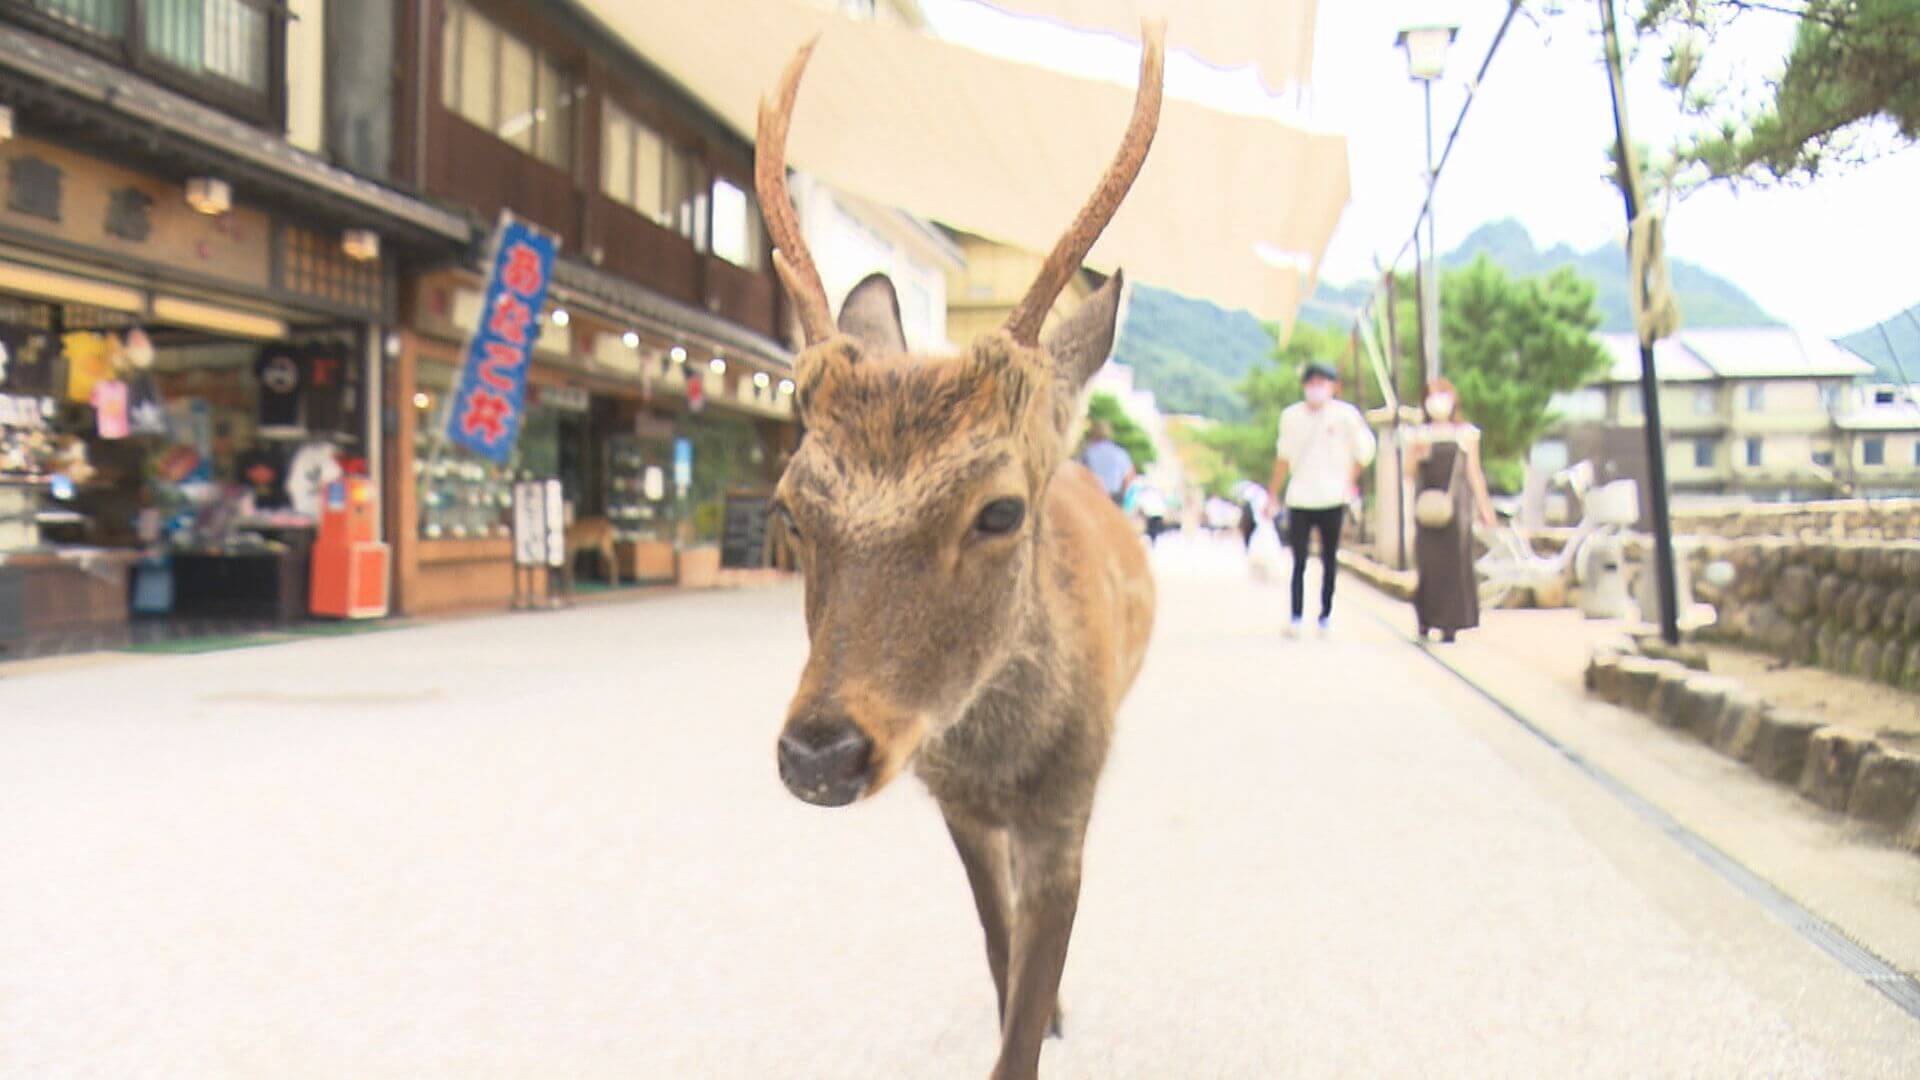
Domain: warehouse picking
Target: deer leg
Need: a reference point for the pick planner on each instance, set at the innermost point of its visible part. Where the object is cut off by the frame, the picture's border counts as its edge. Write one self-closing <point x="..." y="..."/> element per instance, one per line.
<point x="1047" y="887"/>
<point x="983" y="852"/>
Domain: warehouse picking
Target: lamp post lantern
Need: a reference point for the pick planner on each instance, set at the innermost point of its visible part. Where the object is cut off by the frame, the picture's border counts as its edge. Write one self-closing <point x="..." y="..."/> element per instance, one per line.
<point x="1426" y="49"/>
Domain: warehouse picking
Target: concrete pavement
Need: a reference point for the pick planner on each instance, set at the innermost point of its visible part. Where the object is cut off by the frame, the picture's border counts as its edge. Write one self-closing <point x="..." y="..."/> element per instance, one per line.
<point x="554" y="845"/>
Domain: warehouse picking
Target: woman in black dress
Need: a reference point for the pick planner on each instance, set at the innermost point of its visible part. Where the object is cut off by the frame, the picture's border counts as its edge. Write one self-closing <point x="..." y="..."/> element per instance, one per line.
<point x="1444" y="455"/>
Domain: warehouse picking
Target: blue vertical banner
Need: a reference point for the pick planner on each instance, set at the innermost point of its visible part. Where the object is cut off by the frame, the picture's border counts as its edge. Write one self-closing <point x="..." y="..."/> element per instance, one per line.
<point x="491" y="397"/>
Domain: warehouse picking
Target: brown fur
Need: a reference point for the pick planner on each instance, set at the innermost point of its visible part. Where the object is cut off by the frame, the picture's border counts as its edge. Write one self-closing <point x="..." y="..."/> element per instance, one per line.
<point x="595" y="534"/>
<point x="990" y="662"/>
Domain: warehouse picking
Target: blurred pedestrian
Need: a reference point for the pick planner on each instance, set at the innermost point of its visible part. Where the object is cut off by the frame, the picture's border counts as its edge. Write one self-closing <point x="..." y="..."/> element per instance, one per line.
<point x="1151" y="505"/>
<point x="1110" y="462"/>
<point x="1449" y="485"/>
<point x="1253" y="509"/>
<point x="1324" y="444"/>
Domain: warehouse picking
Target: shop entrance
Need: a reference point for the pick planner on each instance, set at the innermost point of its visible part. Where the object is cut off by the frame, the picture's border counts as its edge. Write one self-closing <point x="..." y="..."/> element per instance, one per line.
<point x="161" y="484"/>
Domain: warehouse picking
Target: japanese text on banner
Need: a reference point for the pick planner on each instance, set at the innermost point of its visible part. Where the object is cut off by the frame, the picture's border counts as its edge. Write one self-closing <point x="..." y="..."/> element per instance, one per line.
<point x="490" y="399"/>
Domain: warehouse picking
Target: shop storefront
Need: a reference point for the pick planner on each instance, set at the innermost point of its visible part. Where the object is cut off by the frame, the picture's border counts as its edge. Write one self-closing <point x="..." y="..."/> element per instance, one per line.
<point x="647" y="430"/>
<point x="178" y="385"/>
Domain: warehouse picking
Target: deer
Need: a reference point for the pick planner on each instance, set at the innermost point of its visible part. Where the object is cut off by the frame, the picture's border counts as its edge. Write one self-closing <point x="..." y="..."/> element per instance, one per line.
<point x="975" y="604"/>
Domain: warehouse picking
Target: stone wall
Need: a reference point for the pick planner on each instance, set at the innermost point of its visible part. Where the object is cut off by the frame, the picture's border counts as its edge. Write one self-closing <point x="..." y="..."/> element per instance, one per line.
<point x="1843" y="519"/>
<point x="1848" y="606"/>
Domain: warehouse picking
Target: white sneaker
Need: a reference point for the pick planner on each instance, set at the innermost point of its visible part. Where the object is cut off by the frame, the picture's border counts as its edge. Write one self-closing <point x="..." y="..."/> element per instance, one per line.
<point x="1326" y="629"/>
<point x="1292" y="630"/>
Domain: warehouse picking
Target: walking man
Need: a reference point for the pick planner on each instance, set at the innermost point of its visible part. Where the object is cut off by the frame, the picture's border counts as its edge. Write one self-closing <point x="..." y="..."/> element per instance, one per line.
<point x="1109" y="461"/>
<point x="1324" y="444"/>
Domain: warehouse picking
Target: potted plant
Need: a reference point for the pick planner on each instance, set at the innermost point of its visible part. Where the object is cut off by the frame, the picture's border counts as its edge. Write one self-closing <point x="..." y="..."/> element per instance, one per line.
<point x="700" y="560"/>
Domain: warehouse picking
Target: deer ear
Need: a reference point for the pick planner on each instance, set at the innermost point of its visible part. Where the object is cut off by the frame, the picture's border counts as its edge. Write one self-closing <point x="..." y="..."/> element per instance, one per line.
<point x="871" y="316"/>
<point x="1084" y="340"/>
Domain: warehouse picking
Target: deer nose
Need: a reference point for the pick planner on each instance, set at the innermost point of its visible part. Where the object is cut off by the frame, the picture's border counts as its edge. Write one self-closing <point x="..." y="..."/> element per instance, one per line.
<point x="826" y="762"/>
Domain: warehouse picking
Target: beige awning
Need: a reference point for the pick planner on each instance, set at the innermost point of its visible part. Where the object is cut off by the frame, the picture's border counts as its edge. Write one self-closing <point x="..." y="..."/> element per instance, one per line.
<point x="1009" y="151"/>
<point x="1274" y="36"/>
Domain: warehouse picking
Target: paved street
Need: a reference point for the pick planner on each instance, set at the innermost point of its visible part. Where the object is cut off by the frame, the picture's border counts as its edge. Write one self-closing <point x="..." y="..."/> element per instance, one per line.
<point x="554" y="846"/>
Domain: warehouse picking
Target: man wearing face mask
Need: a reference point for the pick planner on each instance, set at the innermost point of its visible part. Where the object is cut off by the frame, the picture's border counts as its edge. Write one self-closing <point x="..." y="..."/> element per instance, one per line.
<point x="1323" y="446"/>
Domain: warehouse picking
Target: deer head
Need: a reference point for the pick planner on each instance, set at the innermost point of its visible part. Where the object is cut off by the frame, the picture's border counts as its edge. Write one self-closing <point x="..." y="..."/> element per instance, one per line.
<point x="917" y="498"/>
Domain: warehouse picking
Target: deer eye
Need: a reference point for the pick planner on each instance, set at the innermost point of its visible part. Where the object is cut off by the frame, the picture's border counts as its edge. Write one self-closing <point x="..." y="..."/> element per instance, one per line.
<point x="1001" y="516"/>
<point x="785" y="517"/>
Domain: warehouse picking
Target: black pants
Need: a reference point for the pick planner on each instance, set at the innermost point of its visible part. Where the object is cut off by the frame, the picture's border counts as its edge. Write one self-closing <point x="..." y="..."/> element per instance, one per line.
<point x="1300" y="524"/>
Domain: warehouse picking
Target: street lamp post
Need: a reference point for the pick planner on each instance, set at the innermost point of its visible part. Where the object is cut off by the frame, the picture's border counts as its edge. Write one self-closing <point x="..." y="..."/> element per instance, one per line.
<point x="1426" y="49"/>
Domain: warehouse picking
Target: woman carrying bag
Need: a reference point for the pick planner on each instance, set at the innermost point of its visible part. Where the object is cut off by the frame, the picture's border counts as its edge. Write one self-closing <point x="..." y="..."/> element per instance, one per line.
<point x="1444" y="456"/>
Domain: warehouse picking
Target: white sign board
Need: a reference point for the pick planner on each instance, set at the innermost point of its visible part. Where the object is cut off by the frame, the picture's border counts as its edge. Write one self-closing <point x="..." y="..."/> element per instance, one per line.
<point x="529" y="524"/>
<point x="556" y="506"/>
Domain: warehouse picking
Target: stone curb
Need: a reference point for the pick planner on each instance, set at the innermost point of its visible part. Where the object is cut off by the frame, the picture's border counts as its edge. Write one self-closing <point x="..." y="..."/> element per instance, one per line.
<point x="1398" y="584"/>
<point x="1837" y="768"/>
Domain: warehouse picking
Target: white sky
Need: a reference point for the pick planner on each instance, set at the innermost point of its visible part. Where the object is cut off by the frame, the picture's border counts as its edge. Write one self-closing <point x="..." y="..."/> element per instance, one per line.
<point x="1830" y="258"/>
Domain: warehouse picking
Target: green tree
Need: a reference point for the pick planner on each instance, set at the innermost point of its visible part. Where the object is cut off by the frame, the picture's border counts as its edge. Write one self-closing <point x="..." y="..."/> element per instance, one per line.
<point x="1852" y="62"/>
<point x="1509" y="346"/>
<point x="1131" y="436"/>
<point x="1269" y="388"/>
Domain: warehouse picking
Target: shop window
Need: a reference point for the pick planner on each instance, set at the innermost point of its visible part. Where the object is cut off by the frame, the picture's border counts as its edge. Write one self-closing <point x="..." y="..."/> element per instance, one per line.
<point x="1873" y="451"/>
<point x="496" y="81"/>
<point x="736" y="226"/>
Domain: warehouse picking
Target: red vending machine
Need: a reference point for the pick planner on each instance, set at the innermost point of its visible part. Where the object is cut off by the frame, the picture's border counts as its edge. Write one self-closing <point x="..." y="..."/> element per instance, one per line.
<point x="349" y="579"/>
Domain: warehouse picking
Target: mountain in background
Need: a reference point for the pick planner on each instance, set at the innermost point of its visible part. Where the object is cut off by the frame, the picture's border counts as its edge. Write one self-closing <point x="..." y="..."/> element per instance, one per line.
<point x="1706" y="299"/>
<point x="1904" y="331"/>
<point x="1193" y="354"/>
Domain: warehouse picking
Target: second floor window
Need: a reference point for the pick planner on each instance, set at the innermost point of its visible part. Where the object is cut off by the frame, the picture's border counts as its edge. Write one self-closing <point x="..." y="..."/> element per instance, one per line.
<point x="1873" y="451"/>
<point x="1756" y="397"/>
<point x="498" y="82"/>
<point x="1753" y="453"/>
<point x="642" y="170"/>
<point x="1703" y="453"/>
<point x="1703" y="403"/>
<point x="225" y="43"/>
<point x="736" y="226"/>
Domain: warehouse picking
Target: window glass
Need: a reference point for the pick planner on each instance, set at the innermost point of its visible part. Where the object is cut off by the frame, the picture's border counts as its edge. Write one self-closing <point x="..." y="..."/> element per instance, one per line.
<point x="450" y="56"/>
<point x="691" y="214"/>
<point x="1756" y="397"/>
<point x="1703" y="453"/>
<point x="736" y="226"/>
<point x="1753" y="451"/>
<point x="516" y="94"/>
<point x="553" y="114"/>
<point x="479" y="49"/>
<point x="1703" y="401"/>
<point x="616" y="155"/>
<point x="649" y="174"/>
<point x="1873" y="451"/>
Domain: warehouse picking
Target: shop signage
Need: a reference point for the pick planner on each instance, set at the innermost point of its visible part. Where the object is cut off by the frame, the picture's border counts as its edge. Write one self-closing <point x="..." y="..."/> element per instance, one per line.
<point x="539" y="524"/>
<point x="120" y="215"/>
<point x="565" y="398"/>
<point x="696" y="393"/>
<point x="490" y="399"/>
<point x="682" y="465"/>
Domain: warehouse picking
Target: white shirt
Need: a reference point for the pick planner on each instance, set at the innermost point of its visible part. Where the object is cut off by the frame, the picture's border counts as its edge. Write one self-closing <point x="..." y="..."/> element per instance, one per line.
<point x="1322" y="447"/>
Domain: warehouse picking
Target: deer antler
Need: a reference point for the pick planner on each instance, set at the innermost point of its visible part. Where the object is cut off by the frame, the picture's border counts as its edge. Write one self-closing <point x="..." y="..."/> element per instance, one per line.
<point x="790" y="255"/>
<point x="1024" y="324"/>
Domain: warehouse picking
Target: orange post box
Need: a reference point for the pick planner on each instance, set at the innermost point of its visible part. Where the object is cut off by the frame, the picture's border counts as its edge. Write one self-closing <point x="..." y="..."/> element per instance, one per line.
<point x="350" y="564"/>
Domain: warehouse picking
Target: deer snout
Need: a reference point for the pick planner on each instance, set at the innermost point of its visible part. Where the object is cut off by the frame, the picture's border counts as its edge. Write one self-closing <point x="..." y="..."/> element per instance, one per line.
<point x="827" y="761"/>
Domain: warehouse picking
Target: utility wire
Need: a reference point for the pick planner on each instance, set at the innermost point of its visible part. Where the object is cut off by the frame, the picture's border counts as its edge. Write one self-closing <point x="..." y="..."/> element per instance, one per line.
<point x="1473" y="91"/>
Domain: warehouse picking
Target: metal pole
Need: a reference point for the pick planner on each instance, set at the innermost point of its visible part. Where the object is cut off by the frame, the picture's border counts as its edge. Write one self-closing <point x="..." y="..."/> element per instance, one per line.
<point x="1399" y="457"/>
<point x="1433" y="248"/>
<point x="1649" y="382"/>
